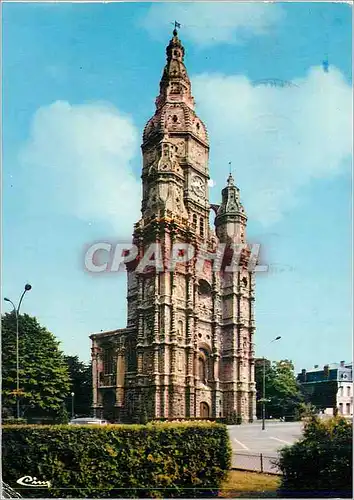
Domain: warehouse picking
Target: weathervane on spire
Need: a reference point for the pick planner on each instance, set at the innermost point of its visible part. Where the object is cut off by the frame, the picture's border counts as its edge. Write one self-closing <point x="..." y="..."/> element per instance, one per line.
<point x="177" y="25"/>
<point x="230" y="180"/>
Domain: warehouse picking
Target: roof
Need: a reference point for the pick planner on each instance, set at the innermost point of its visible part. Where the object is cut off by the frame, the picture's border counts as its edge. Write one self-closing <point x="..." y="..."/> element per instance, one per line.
<point x="108" y="333"/>
<point x="331" y="366"/>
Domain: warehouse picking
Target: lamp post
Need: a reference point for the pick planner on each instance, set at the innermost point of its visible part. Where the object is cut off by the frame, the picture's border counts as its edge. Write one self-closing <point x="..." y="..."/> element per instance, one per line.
<point x="17" y="313"/>
<point x="72" y="404"/>
<point x="264" y="393"/>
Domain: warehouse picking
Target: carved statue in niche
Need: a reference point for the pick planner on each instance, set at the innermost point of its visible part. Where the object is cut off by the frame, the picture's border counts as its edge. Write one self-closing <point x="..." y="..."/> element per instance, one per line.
<point x="179" y="200"/>
<point x="149" y="288"/>
<point x="180" y="331"/>
<point x="153" y="198"/>
<point x="180" y="287"/>
<point x="180" y="361"/>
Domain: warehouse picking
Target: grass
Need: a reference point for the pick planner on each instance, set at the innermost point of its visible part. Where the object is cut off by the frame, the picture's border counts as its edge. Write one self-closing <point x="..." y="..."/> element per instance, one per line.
<point x="241" y="484"/>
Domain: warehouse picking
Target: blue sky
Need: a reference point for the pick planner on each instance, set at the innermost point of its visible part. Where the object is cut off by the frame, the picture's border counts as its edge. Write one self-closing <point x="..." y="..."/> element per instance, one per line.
<point x="79" y="83"/>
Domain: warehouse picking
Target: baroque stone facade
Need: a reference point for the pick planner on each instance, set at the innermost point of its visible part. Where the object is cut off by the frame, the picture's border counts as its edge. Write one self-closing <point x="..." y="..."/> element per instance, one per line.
<point x="187" y="350"/>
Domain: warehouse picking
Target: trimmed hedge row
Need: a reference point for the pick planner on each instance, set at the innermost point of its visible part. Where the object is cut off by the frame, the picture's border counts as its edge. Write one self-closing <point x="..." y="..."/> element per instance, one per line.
<point x="156" y="460"/>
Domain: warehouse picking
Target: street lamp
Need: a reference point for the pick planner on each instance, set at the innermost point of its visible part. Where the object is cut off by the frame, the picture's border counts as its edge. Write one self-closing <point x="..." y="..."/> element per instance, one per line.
<point x="72" y="404"/>
<point x="264" y="393"/>
<point x="17" y="313"/>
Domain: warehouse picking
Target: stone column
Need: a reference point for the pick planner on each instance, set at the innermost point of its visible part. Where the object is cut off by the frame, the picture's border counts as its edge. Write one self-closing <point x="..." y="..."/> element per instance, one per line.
<point x="120" y="377"/>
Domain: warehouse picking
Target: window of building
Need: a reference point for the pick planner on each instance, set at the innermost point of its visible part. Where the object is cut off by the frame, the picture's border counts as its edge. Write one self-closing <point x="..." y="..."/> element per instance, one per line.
<point x="130" y="353"/>
<point x="348" y="408"/>
<point x="108" y="362"/>
<point x="341" y="408"/>
<point x="341" y="391"/>
<point x="202" y="369"/>
<point x="195" y="220"/>
<point x="348" y="390"/>
<point x="204" y="287"/>
<point x="201" y="227"/>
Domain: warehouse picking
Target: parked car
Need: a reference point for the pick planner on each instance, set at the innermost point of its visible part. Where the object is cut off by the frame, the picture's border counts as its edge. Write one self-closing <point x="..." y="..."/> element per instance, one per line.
<point x="88" y="421"/>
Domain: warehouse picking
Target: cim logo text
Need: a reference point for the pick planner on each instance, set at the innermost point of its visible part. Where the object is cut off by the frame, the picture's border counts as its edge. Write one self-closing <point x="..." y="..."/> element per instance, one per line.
<point x="33" y="482"/>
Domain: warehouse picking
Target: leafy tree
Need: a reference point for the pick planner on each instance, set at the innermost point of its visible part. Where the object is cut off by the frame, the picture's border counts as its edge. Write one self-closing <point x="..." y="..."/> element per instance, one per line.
<point x="320" y="464"/>
<point x="43" y="374"/>
<point x="62" y="415"/>
<point x="81" y="385"/>
<point x="283" y="392"/>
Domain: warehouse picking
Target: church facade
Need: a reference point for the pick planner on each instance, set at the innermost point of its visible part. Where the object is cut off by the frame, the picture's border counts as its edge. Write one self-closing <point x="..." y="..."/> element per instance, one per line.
<point x="187" y="350"/>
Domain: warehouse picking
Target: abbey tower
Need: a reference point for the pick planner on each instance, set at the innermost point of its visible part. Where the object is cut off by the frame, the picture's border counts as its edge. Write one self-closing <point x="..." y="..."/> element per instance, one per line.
<point x="187" y="350"/>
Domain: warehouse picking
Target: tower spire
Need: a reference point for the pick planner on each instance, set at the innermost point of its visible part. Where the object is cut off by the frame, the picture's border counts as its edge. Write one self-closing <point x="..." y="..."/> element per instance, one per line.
<point x="175" y="85"/>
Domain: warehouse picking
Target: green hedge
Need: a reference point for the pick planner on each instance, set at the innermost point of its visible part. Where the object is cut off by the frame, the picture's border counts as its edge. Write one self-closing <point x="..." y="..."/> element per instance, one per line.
<point x="319" y="464"/>
<point x="156" y="460"/>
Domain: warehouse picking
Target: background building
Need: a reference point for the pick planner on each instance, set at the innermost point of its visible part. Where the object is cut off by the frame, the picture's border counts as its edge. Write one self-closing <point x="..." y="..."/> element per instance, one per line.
<point x="330" y="388"/>
<point x="188" y="347"/>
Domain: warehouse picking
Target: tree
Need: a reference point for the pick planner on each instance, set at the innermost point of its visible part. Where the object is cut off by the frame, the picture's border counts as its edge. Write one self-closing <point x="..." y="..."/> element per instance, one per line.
<point x="43" y="374"/>
<point x="81" y="385"/>
<point x="283" y="392"/>
<point x="320" y="464"/>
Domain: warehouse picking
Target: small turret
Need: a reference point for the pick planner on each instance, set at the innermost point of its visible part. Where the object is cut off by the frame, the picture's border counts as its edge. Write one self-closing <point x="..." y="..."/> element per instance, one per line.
<point x="231" y="220"/>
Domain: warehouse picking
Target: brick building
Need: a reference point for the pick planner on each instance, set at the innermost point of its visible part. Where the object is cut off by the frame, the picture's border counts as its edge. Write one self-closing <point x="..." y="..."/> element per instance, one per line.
<point x="187" y="350"/>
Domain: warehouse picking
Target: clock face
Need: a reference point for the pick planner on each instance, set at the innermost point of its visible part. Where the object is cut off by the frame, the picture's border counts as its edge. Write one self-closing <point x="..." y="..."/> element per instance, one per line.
<point x="197" y="186"/>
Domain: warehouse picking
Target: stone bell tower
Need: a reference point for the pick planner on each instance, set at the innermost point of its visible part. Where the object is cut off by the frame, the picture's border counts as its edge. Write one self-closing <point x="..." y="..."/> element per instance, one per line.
<point x="187" y="350"/>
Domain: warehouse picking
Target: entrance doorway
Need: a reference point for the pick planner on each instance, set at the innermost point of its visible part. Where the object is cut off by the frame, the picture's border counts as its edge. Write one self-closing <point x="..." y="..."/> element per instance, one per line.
<point x="204" y="410"/>
<point x="109" y="399"/>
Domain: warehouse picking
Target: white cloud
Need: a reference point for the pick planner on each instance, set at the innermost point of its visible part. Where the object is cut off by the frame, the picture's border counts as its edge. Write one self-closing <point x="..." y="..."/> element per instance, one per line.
<point x="81" y="155"/>
<point x="277" y="138"/>
<point x="207" y="23"/>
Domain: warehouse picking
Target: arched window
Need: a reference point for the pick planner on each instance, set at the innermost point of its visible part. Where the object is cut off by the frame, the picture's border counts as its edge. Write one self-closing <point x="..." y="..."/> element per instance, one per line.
<point x="202" y="369"/>
<point x="203" y="366"/>
<point x="201" y="227"/>
<point x="204" y="287"/>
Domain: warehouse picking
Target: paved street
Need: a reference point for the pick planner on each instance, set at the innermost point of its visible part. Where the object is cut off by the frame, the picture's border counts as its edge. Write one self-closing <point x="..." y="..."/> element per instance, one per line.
<point x="249" y="441"/>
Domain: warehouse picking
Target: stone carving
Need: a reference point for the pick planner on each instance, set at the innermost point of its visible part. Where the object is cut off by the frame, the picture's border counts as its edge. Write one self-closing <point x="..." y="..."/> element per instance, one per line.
<point x="150" y="156"/>
<point x="149" y="288"/>
<point x="204" y="307"/>
<point x="181" y="147"/>
<point x="197" y="154"/>
<point x="180" y="283"/>
<point x="174" y="119"/>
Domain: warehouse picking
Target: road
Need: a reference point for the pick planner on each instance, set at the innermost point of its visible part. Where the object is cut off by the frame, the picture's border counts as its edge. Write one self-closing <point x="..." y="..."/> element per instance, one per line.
<point x="249" y="441"/>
